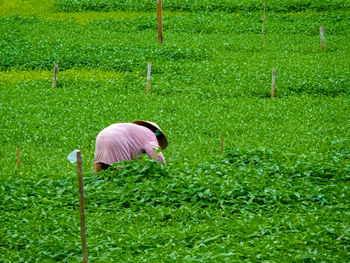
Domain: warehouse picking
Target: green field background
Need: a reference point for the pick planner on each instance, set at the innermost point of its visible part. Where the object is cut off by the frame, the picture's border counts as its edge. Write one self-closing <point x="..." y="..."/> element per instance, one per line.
<point x="278" y="192"/>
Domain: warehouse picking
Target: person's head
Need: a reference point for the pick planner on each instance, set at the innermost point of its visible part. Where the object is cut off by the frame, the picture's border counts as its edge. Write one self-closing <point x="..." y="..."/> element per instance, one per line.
<point x="163" y="142"/>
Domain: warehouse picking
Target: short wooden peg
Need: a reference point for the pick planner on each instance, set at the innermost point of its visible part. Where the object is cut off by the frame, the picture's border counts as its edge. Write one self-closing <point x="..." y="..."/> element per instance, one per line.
<point x="222" y="143"/>
<point x="149" y="77"/>
<point x="18" y="156"/>
<point x="323" y="41"/>
<point x="54" y="76"/>
<point x="273" y="86"/>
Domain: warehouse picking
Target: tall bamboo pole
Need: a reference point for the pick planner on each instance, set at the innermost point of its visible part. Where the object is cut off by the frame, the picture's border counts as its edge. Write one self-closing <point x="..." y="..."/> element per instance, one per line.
<point x="160" y="21"/>
<point x="263" y="26"/>
<point x="82" y="207"/>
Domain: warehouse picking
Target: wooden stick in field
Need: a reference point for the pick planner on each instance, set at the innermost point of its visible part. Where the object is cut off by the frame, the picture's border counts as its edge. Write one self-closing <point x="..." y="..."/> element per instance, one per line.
<point x="273" y="83"/>
<point x="222" y="143"/>
<point x="149" y="77"/>
<point x="82" y="206"/>
<point x="55" y="76"/>
<point x="18" y="156"/>
<point x="160" y="21"/>
<point x="323" y="41"/>
<point x="263" y="26"/>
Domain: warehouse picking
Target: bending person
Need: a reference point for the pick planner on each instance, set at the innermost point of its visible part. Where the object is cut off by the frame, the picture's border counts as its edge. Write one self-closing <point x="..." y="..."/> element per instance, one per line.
<point x="124" y="141"/>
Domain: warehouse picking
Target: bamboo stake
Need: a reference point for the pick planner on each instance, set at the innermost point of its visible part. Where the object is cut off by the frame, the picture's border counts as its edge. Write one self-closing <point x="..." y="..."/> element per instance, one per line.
<point x="323" y="41"/>
<point x="263" y="26"/>
<point x="273" y="83"/>
<point x="18" y="156"/>
<point x="222" y="143"/>
<point x="149" y="77"/>
<point x="160" y="21"/>
<point x="55" y="76"/>
<point x="82" y="206"/>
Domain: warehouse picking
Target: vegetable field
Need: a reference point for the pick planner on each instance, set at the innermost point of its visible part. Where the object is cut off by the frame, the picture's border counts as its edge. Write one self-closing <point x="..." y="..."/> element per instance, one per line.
<point x="280" y="190"/>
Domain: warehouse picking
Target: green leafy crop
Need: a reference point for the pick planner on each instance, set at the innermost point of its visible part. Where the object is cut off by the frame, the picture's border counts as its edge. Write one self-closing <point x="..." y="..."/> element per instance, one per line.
<point x="255" y="202"/>
<point x="201" y="5"/>
<point x="278" y="193"/>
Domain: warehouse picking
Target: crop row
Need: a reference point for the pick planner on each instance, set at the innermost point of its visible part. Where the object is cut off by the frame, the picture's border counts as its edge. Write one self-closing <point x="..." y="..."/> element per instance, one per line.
<point x="193" y="118"/>
<point x="238" y="181"/>
<point x="301" y="65"/>
<point x="201" y="5"/>
<point x="246" y="196"/>
<point x="210" y="77"/>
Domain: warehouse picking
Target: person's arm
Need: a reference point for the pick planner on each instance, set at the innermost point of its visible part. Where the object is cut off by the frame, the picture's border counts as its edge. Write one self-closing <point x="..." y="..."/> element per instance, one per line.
<point x="151" y="153"/>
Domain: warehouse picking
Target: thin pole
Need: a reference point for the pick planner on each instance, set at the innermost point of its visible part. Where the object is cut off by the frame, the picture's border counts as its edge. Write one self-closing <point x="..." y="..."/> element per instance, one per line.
<point x="160" y="21"/>
<point x="149" y="77"/>
<point x="222" y="143"/>
<point x="323" y="41"/>
<point x="55" y="76"/>
<point x="18" y="156"/>
<point x="263" y="26"/>
<point x="273" y="83"/>
<point x="82" y="206"/>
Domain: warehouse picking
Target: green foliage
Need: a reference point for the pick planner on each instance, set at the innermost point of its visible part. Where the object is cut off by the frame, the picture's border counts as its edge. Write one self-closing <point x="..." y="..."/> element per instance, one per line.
<point x="39" y="52"/>
<point x="211" y="210"/>
<point x="201" y="5"/>
<point x="191" y="46"/>
<point x="210" y="77"/>
<point x="238" y="182"/>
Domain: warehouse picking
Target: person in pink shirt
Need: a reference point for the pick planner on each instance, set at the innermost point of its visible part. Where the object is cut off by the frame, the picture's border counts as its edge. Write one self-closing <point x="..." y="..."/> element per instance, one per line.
<point x="124" y="141"/>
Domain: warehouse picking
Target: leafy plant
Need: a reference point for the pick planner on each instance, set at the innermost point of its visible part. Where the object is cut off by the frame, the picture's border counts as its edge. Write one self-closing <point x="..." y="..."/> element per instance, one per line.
<point x="278" y="193"/>
<point x="200" y="5"/>
<point x="137" y="207"/>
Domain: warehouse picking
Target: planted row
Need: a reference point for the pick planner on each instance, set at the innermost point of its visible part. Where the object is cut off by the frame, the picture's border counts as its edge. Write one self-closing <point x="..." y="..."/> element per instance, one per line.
<point x="255" y="201"/>
<point x="256" y="180"/>
<point x="200" y="5"/>
<point x="37" y="45"/>
<point x="190" y="60"/>
<point x="238" y="181"/>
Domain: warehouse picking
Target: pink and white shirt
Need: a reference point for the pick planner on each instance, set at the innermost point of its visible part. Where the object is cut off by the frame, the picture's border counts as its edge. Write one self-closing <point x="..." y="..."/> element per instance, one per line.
<point x="124" y="141"/>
